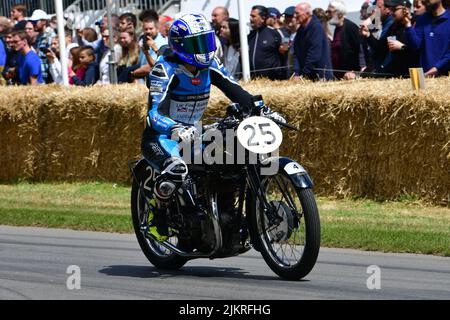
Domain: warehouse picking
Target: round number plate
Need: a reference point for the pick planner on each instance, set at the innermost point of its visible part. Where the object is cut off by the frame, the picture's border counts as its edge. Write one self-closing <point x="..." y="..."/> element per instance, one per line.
<point x="259" y="135"/>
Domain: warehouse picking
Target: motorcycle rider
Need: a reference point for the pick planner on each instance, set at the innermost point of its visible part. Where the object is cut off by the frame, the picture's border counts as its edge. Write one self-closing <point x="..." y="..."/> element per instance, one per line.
<point x="180" y="85"/>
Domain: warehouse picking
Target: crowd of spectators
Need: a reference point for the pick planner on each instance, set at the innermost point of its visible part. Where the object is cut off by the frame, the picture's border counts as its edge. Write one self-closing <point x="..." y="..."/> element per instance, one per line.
<point x="297" y="42"/>
<point x="29" y="48"/>
<point x="392" y="36"/>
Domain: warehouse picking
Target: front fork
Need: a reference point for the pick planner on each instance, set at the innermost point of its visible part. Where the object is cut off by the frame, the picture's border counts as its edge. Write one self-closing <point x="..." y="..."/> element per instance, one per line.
<point x="256" y="187"/>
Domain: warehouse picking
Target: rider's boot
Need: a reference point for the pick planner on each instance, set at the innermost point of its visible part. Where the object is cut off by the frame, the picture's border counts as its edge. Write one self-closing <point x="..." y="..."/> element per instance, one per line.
<point x="166" y="185"/>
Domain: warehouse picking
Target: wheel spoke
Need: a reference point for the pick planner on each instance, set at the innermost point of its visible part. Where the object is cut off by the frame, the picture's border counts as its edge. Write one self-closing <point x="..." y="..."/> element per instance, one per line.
<point x="293" y="206"/>
<point x="284" y="255"/>
<point x="293" y="252"/>
<point x="276" y="252"/>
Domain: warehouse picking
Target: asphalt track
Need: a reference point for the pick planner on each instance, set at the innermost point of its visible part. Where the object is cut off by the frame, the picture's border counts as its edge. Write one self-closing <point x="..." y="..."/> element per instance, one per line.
<point x="34" y="264"/>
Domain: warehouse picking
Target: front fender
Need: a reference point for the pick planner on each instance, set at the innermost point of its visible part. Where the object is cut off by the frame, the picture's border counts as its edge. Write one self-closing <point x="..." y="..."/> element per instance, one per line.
<point x="299" y="176"/>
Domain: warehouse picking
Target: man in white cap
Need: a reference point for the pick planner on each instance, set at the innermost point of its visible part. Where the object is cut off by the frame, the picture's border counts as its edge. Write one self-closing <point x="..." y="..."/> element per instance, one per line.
<point x="40" y="19"/>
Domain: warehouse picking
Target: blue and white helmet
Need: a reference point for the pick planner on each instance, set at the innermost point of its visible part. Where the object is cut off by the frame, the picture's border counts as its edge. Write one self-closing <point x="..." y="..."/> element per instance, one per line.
<point x="193" y="40"/>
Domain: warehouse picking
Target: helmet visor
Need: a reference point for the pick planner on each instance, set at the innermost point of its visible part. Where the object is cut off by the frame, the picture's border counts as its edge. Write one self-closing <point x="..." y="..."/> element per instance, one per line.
<point x="200" y="43"/>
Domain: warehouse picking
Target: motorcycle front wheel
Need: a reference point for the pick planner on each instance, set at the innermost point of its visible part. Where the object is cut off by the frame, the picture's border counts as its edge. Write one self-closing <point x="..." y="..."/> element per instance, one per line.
<point x="290" y="244"/>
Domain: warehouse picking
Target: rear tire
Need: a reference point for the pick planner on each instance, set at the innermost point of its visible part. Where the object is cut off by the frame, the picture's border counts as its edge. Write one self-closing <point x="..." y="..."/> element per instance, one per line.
<point x="160" y="257"/>
<point x="264" y="241"/>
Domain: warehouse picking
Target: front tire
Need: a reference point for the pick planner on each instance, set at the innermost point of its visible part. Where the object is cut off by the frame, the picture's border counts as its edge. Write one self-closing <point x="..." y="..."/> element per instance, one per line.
<point x="290" y="248"/>
<point x="160" y="257"/>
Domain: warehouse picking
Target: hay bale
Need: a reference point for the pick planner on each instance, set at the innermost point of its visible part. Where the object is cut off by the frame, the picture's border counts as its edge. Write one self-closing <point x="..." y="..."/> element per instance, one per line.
<point x="74" y="133"/>
<point x="372" y="138"/>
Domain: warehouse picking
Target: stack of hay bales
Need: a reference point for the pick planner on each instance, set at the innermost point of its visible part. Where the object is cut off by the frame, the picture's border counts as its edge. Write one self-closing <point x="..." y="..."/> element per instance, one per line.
<point x="54" y="133"/>
<point x="374" y="138"/>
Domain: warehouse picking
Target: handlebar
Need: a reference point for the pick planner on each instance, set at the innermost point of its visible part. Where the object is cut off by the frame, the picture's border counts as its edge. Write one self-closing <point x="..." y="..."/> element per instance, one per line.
<point x="232" y="122"/>
<point x="235" y="114"/>
<point x="286" y="125"/>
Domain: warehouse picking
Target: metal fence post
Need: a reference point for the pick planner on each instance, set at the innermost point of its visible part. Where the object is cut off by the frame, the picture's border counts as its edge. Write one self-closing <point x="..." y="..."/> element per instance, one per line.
<point x="245" y="60"/>
<point x="62" y="41"/>
<point x="112" y="62"/>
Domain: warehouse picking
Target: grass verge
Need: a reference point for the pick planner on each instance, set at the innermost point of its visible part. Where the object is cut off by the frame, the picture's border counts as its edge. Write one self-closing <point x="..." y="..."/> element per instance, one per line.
<point x="403" y="226"/>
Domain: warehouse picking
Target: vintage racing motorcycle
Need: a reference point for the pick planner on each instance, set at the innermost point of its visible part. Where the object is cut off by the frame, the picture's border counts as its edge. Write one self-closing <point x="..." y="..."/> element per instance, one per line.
<point x="223" y="210"/>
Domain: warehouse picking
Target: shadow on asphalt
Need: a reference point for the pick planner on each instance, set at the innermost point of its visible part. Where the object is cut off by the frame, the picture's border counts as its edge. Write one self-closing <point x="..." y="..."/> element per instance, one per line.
<point x="194" y="271"/>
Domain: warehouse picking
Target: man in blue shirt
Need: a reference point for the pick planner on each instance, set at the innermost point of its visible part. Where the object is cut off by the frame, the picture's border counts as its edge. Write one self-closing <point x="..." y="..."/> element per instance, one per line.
<point x="431" y="36"/>
<point x="28" y="64"/>
<point x="311" y="46"/>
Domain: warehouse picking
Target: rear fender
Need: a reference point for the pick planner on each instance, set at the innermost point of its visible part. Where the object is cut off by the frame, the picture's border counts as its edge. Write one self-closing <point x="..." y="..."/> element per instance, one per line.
<point x="140" y="167"/>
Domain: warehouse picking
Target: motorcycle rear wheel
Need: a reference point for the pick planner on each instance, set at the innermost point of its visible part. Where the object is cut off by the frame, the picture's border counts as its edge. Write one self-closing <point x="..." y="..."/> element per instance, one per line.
<point x="159" y="256"/>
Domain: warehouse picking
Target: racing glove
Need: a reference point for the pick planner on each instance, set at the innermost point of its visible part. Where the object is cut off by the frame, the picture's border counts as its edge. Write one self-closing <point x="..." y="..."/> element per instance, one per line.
<point x="186" y="134"/>
<point x="268" y="113"/>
